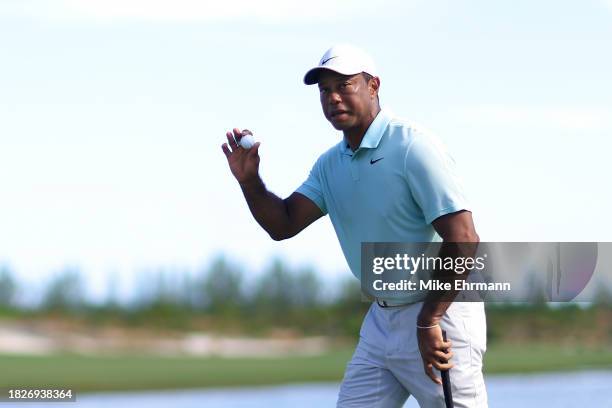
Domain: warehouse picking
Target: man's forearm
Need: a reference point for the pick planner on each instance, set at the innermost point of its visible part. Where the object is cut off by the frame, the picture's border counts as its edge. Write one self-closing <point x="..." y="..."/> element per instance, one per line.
<point x="437" y="302"/>
<point x="269" y="210"/>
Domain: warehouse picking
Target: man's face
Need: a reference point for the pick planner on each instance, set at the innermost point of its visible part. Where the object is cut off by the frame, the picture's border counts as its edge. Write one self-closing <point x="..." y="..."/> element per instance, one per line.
<point x="348" y="101"/>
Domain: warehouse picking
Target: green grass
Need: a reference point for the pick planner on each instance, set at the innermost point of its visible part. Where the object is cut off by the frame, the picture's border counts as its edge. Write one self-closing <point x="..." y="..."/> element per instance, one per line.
<point x="530" y="358"/>
<point x="87" y="373"/>
<point x="83" y="373"/>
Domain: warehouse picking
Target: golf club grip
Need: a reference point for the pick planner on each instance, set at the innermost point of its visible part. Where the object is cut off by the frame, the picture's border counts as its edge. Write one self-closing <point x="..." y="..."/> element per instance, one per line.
<point x="446" y="384"/>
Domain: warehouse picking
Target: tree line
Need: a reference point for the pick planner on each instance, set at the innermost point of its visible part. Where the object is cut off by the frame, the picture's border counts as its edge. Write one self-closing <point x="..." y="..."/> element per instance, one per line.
<point x="225" y="297"/>
<point x="222" y="296"/>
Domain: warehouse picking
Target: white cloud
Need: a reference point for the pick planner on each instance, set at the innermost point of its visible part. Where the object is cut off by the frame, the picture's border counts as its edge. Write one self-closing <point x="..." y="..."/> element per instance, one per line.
<point x="566" y="118"/>
<point x="190" y="10"/>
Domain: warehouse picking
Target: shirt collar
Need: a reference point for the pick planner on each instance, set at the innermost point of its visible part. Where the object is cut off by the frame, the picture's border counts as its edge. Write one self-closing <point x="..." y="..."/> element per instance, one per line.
<point x="372" y="137"/>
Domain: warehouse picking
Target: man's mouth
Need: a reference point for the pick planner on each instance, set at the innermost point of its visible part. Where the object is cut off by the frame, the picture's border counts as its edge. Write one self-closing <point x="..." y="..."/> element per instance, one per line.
<point x="337" y="113"/>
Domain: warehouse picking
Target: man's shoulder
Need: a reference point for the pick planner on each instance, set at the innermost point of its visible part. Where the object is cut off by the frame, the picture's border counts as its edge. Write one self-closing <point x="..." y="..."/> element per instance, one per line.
<point x="409" y="131"/>
<point x="413" y="143"/>
<point x="406" y="128"/>
<point x="402" y="132"/>
<point x="328" y="157"/>
<point x="331" y="153"/>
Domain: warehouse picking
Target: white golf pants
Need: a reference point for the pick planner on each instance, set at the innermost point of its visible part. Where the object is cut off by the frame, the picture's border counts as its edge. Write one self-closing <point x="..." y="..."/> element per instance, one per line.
<point x="386" y="367"/>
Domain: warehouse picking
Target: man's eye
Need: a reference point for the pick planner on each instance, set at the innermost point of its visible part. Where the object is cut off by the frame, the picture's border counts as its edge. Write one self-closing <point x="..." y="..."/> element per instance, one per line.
<point x="345" y="86"/>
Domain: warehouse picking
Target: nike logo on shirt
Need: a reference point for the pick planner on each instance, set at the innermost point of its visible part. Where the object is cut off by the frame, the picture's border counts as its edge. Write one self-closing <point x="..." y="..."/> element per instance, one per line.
<point x="377" y="160"/>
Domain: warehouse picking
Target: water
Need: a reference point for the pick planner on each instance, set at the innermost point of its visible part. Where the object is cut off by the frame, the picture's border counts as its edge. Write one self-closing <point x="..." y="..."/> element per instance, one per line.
<point x="559" y="390"/>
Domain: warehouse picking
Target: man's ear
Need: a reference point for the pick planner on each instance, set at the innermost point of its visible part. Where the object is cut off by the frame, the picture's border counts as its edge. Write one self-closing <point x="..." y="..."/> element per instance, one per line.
<point x="374" y="85"/>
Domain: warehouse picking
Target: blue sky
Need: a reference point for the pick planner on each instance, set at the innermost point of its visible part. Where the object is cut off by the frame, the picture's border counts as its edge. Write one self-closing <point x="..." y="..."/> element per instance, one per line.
<point x="112" y="114"/>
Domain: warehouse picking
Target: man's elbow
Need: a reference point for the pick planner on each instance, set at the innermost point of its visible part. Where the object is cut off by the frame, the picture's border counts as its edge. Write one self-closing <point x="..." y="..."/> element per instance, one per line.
<point x="472" y="236"/>
<point x="280" y="235"/>
<point x="277" y="236"/>
<point x="467" y="235"/>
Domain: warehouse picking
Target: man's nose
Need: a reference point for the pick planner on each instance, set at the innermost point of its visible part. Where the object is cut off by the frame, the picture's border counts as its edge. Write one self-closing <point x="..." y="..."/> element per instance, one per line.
<point x="334" y="98"/>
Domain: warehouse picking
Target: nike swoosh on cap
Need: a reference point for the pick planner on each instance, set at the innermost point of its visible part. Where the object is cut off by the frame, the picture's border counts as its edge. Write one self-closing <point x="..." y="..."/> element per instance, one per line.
<point x="324" y="62"/>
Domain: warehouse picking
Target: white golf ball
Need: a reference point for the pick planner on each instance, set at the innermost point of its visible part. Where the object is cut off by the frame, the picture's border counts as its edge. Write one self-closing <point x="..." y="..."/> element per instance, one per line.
<point x="247" y="141"/>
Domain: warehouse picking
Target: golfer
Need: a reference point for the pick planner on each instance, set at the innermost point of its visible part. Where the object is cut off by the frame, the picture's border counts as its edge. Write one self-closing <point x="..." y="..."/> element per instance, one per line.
<point x="385" y="181"/>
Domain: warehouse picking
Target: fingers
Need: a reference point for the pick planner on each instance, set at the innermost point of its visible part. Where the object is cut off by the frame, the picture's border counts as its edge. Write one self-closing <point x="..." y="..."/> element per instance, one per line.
<point x="234" y="136"/>
<point x="442" y="366"/>
<point x="238" y="133"/>
<point x="435" y="352"/>
<point x="226" y="150"/>
<point x="430" y="373"/>
<point x="231" y="140"/>
<point x="443" y="356"/>
<point x="438" y="359"/>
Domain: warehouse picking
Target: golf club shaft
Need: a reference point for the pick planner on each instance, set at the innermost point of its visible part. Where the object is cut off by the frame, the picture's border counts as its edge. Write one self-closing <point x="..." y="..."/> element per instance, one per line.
<point x="446" y="384"/>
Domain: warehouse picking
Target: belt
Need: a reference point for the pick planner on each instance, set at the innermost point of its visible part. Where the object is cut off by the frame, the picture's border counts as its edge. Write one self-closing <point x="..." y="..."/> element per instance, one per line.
<point x="385" y="304"/>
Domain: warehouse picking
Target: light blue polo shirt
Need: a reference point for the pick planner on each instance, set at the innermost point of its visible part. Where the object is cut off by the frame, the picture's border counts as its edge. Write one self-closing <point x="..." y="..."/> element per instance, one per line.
<point x="390" y="189"/>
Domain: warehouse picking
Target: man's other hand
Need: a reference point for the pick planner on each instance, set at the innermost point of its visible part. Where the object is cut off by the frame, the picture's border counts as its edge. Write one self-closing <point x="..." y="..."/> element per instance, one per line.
<point x="244" y="163"/>
<point x="435" y="352"/>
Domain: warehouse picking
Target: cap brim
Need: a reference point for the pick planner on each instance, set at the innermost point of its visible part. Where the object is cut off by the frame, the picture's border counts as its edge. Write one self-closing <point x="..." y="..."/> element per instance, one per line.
<point x="312" y="76"/>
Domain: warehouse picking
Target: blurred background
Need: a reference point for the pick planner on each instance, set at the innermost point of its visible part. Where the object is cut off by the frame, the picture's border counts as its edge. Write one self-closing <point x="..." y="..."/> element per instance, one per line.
<point x="129" y="263"/>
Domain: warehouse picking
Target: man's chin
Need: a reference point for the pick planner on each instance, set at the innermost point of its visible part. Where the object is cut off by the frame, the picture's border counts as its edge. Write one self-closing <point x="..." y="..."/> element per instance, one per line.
<point x="340" y="124"/>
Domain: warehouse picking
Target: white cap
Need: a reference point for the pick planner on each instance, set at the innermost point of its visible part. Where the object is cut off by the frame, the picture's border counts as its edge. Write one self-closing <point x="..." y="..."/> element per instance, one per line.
<point x="344" y="59"/>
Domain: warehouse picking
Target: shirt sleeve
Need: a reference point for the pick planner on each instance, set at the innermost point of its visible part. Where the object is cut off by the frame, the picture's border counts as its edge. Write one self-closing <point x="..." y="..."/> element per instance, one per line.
<point x="311" y="188"/>
<point x="432" y="178"/>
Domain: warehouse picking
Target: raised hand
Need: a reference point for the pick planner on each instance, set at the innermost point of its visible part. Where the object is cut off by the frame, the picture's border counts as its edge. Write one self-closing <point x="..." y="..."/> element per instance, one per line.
<point x="244" y="163"/>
